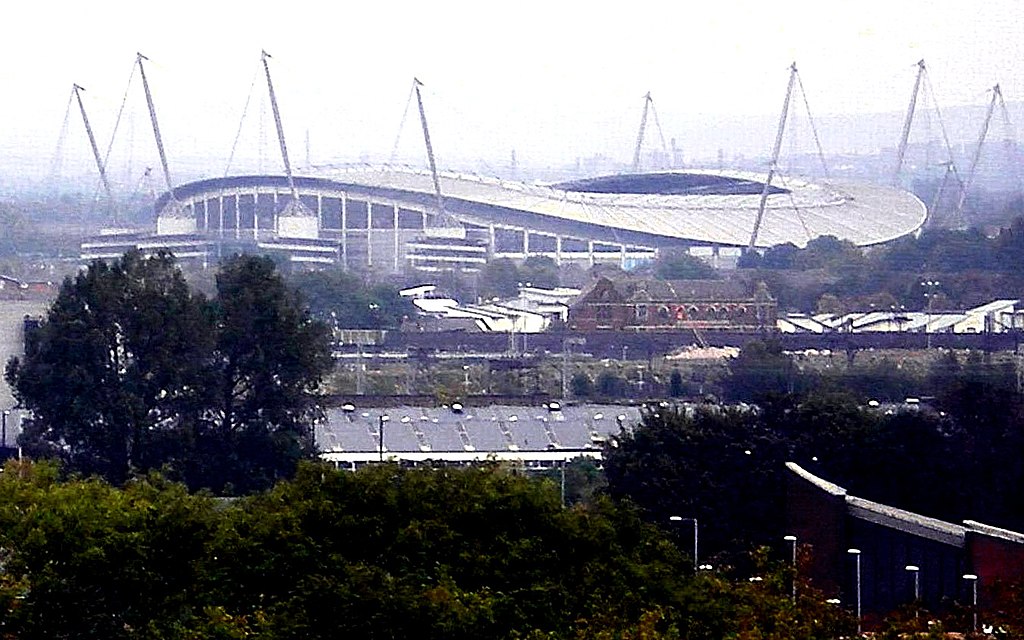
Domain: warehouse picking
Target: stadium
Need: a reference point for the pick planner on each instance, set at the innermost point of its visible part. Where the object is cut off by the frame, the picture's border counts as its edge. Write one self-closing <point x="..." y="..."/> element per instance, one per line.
<point x="390" y="220"/>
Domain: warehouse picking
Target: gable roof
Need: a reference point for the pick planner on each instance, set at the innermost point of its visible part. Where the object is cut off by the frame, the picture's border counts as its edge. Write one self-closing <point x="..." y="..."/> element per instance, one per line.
<point x="639" y="290"/>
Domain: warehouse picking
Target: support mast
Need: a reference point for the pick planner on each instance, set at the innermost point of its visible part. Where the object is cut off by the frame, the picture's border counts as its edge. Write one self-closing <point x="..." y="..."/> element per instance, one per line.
<point x="77" y="90"/>
<point x="280" y="129"/>
<point x="966" y="184"/>
<point x="442" y="215"/>
<point x="156" y="126"/>
<point x="905" y="136"/>
<point x="640" y="134"/>
<point x="773" y="167"/>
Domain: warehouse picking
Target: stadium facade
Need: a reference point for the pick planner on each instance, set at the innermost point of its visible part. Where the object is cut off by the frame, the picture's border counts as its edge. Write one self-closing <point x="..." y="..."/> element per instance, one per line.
<point x="386" y="219"/>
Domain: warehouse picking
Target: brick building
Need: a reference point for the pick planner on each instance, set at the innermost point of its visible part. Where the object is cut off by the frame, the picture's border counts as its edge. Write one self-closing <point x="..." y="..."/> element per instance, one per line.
<point x="645" y="304"/>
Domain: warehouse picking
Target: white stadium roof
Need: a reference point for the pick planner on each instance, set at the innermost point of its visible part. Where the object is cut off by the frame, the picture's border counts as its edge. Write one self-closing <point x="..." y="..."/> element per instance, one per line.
<point x="711" y="211"/>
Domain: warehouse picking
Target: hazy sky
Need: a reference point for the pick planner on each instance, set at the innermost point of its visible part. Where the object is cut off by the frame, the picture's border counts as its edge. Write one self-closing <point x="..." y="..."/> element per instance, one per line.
<point x="554" y="80"/>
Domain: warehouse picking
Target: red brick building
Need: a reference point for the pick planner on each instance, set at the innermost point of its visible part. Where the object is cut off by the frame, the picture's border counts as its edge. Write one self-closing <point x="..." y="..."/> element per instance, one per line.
<point x="643" y="304"/>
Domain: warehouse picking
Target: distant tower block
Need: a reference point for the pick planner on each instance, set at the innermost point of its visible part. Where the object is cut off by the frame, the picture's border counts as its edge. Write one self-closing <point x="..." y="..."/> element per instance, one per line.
<point x="677" y="155"/>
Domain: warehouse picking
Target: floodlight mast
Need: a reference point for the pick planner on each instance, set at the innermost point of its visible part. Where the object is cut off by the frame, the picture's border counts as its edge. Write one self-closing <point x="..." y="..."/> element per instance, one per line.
<point x="997" y="96"/>
<point x="280" y="128"/>
<point x="156" y="126"/>
<point x="640" y="134"/>
<point x="77" y="90"/>
<point x="442" y="216"/>
<point x="648" y="107"/>
<point x="773" y="167"/>
<point x="901" y="151"/>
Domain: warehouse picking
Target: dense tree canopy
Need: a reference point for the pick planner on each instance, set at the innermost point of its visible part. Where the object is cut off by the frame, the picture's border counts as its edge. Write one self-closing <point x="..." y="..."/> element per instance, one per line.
<point x="959" y="460"/>
<point x="382" y="553"/>
<point x="502" y="278"/>
<point x="133" y="371"/>
<point x="682" y="266"/>
<point x="971" y="267"/>
<point x="346" y="302"/>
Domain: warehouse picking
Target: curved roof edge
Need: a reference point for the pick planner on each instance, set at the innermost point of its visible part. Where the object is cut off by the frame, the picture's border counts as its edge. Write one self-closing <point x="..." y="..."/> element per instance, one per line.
<point x="824" y="485"/>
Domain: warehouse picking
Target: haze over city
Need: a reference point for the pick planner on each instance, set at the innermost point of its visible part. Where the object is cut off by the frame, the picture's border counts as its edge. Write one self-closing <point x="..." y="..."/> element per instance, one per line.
<point x="554" y="82"/>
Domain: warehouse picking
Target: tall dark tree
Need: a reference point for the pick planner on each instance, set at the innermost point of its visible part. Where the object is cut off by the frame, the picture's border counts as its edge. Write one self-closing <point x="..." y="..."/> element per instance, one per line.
<point x="271" y="356"/>
<point x="118" y="361"/>
<point x="132" y="371"/>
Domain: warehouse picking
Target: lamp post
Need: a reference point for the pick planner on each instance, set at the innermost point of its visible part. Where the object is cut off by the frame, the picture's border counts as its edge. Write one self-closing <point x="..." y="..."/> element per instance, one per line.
<point x="973" y="578"/>
<point x="791" y="539"/>
<point x="930" y="295"/>
<point x="678" y="519"/>
<point x="380" y="435"/>
<point x="916" y="571"/>
<point x="856" y="557"/>
<point x="3" y="428"/>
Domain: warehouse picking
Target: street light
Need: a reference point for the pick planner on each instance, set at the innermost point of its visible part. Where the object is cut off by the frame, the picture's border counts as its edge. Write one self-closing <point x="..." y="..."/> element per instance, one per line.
<point x="973" y="578"/>
<point x="856" y="556"/>
<point x="930" y="295"/>
<point x="3" y="429"/>
<point x="916" y="571"/>
<point x="380" y="434"/>
<point x="791" y="539"/>
<point x="678" y="519"/>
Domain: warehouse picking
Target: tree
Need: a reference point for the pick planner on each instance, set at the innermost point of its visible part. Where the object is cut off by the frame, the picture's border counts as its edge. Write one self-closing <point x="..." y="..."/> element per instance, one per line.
<point x="500" y="279"/>
<point x="454" y="554"/>
<point x="683" y="266"/>
<point x="719" y="466"/>
<point x="539" y="271"/>
<point x="675" y="384"/>
<point x="132" y="371"/>
<point x="120" y="357"/>
<point x="581" y="385"/>
<point x="610" y="385"/>
<point x="270" y="358"/>
<point x="761" y="369"/>
<point x="346" y="302"/>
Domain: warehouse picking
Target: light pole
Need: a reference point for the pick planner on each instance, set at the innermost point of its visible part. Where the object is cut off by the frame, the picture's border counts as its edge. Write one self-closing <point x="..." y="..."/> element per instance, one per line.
<point x="973" y="578"/>
<point x="856" y="557"/>
<point x="3" y="429"/>
<point x="916" y="571"/>
<point x="930" y="295"/>
<point x="380" y="435"/>
<point x="678" y="519"/>
<point x="791" y="539"/>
